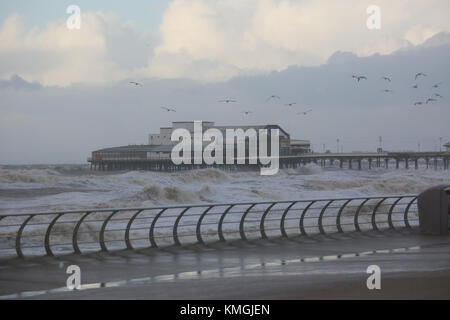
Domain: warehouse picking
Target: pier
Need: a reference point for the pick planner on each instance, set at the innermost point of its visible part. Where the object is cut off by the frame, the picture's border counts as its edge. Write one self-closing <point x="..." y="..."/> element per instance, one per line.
<point x="358" y="161"/>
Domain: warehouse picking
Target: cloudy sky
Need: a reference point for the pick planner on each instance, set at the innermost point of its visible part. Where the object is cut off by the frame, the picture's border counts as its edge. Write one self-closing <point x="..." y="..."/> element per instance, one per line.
<point x="65" y="92"/>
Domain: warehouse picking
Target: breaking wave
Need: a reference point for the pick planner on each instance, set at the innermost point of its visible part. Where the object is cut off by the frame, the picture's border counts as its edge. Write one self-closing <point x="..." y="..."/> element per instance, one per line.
<point x="212" y="175"/>
<point x="66" y="187"/>
<point x="161" y="195"/>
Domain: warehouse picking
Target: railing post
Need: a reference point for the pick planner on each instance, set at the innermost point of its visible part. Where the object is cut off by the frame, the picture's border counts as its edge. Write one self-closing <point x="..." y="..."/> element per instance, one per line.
<point x="127" y="230"/>
<point x="263" y="218"/>
<point x="405" y="217"/>
<point x="355" y="222"/>
<point x="391" y="225"/>
<point x="199" y="224"/>
<point x="283" y="218"/>
<point x="321" y="229"/>
<point x="48" y="249"/>
<point x="302" y="217"/>
<point x="241" y="224"/>
<point x="19" y="235"/>
<point x="220" y="226"/>
<point x="76" y="249"/>
<point x="151" y="233"/>
<point x="338" y="217"/>
<point x="102" y="232"/>
<point x="175" y="227"/>
<point x="374" y="212"/>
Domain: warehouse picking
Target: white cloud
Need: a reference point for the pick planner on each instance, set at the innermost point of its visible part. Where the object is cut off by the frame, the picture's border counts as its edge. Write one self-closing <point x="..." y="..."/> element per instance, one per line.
<point x="418" y="34"/>
<point x="237" y="36"/>
<point x="214" y="40"/>
<point x="56" y="55"/>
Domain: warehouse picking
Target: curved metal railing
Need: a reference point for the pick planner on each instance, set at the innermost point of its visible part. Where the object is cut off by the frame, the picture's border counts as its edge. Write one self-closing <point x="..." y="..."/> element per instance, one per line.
<point x="54" y="233"/>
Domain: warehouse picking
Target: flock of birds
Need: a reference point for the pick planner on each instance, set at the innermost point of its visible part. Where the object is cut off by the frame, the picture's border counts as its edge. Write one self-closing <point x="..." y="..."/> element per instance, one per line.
<point x="246" y="112"/>
<point x="427" y="100"/>
<point x="357" y="78"/>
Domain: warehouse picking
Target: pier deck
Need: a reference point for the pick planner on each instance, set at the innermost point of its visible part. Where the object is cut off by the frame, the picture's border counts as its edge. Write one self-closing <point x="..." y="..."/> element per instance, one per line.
<point x="435" y="160"/>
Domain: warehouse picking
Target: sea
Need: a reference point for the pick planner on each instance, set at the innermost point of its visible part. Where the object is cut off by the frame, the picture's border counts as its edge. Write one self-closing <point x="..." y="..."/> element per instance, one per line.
<point x="48" y="188"/>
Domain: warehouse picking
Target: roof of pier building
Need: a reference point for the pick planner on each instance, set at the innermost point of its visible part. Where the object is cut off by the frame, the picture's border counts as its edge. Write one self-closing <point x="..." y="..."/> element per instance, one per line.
<point x="136" y="148"/>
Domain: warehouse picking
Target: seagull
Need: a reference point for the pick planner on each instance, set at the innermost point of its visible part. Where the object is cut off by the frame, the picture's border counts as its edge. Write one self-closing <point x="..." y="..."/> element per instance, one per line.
<point x="136" y="83"/>
<point x="437" y="85"/>
<point x="359" y="77"/>
<point x="246" y="112"/>
<point x="420" y="74"/>
<point x="169" y="109"/>
<point x="227" y="100"/>
<point x="305" y="112"/>
<point x="273" y="97"/>
<point x="419" y="103"/>
<point x="290" y="104"/>
<point x="387" y="90"/>
<point x="430" y="100"/>
<point x="415" y="86"/>
<point x="438" y="95"/>
<point x="386" y="78"/>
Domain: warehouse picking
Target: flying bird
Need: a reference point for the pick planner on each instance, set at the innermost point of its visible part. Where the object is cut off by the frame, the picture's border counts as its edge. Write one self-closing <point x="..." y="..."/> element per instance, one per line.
<point x="415" y="86"/>
<point x="387" y="90"/>
<point x="438" y="95"/>
<point x="418" y="103"/>
<point x="290" y="104"/>
<point x="246" y="112"/>
<point x="136" y="83"/>
<point x="305" y="112"/>
<point x="227" y="100"/>
<point x="437" y="85"/>
<point x="169" y="109"/>
<point x="386" y="78"/>
<point x="273" y="97"/>
<point x="359" y="77"/>
<point x="430" y="100"/>
<point x="419" y="74"/>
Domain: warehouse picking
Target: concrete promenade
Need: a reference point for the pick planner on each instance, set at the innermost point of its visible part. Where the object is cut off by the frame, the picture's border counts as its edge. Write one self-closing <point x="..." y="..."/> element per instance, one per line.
<point x="334" y="266"/>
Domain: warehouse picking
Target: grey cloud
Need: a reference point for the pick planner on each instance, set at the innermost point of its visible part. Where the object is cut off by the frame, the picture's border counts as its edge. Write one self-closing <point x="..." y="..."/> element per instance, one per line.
<point x="64" y="124"/>
<point x="16" y="82"/>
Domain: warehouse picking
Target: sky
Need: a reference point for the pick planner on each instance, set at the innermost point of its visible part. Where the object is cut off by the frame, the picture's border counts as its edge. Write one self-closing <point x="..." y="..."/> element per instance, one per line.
<point x="145" y="15"/>
<point x="64" y="93"/>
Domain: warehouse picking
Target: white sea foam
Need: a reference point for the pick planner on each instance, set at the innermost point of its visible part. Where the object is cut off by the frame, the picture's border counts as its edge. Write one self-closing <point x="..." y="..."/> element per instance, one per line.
<point x="48" y="188"/>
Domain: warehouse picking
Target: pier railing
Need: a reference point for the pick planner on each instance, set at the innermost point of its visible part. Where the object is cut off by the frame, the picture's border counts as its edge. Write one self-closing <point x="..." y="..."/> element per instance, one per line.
<point x="93" y="230"/>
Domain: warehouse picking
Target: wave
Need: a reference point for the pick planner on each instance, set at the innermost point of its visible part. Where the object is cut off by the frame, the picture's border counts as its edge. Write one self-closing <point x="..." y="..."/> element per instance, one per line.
<point x="29" y="175"/>
<point x="213" y="175"/>
<point x="392" y="183"/>
<point x="159" y="195"/>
